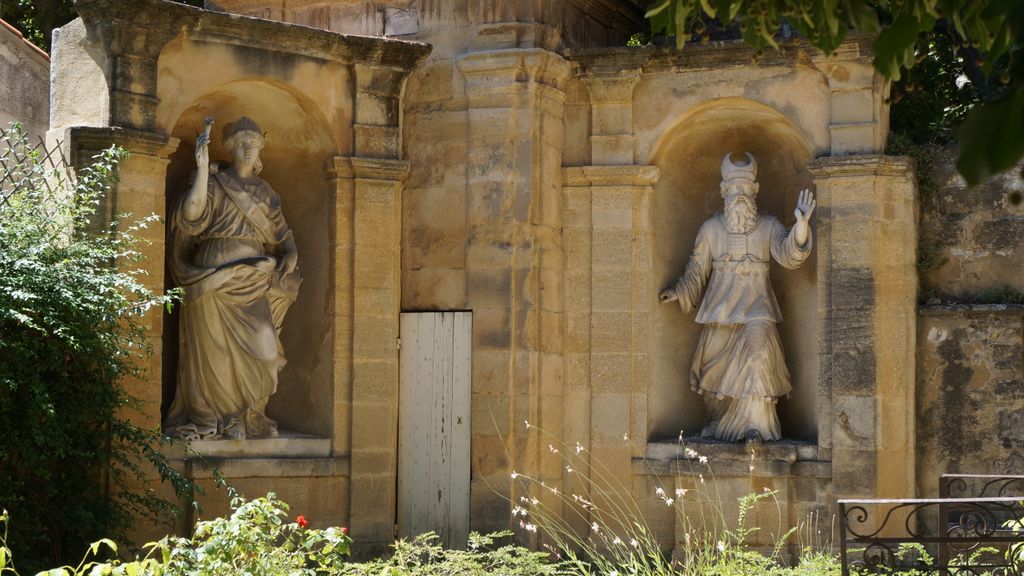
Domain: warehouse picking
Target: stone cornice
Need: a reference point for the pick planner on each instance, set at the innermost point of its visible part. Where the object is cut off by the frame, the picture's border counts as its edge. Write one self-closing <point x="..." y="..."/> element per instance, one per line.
<point x="859" y="165"/>
<point x="626" y="175"/>
<point x="171" y="19"/>
<point x="135" y="142"/>
<point x="714" y="55"/>
<point x="543" y="66"/>
<point x="379" y="169"/>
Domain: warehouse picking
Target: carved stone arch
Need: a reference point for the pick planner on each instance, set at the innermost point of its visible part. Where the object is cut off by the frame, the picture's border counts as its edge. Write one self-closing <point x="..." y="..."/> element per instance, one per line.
<point x="689" y="156"/>
<point x="299" y="142"/>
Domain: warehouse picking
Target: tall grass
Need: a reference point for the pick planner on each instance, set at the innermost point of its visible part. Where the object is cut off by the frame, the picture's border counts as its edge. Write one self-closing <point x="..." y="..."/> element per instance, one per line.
<point x="595" y="524"/>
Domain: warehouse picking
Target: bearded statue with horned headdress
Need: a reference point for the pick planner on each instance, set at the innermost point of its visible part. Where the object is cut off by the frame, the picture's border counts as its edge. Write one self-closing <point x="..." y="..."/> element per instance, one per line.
<point x="739" y="366"/>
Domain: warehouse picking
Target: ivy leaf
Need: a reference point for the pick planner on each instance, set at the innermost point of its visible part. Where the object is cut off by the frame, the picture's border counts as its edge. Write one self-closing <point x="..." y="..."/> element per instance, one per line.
<point x="990" y="138"/>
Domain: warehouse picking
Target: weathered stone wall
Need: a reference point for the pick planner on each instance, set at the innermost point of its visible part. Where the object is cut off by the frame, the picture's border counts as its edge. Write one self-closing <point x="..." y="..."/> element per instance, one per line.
<point x="970" y="392"/>
<point x="972" y="239"/>
<point x="970" y="352"/>
<point x="551" y="25"/>
<point x="25" y="90"/>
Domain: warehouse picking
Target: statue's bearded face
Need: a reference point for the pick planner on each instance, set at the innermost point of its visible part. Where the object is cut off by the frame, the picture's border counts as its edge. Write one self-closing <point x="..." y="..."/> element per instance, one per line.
<point x="740" y="206"/>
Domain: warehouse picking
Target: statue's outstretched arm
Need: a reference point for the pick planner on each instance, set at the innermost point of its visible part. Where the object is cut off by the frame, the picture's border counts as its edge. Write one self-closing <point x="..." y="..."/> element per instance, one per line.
<point x="688" y="289"/>
<point x="195" y="200"/>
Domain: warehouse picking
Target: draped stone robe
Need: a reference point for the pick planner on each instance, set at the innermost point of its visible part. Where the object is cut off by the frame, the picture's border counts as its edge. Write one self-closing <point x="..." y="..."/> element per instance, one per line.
<point x="235" y="301"/>
<point x="739" y="365"/>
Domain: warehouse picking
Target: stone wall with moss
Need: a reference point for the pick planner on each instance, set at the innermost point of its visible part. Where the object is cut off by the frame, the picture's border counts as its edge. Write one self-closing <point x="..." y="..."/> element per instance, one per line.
<point x="970" y="392"/>
<point x="970" y="351"/>
<point x="972" y="240"/>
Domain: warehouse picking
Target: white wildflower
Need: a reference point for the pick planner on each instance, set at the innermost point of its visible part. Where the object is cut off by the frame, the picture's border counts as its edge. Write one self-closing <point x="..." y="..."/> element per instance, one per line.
<point x="515" y="474"/>
<point x="625" y="437"/>
<point x="595" y="527"/>
<point x="660" y="491"/>
<point x="633" y="542"/>
<point x="534" y="501"/>
<point x="691" y="453"/>
<point x="721" y="546"/>
<point x="669" y="501"/>
<point x="579" y="448"/>
<point x="530" y="527"/>
<point x="617" y="541"/>
<point x="568" y="469"/>
<point x="703" y="459"/>
<point x="680" y="492"/>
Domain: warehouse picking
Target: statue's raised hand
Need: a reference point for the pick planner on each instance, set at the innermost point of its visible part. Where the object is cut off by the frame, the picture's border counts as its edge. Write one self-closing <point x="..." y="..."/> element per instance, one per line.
<point x="805" y="206"/>
<point x="203" y="146"/>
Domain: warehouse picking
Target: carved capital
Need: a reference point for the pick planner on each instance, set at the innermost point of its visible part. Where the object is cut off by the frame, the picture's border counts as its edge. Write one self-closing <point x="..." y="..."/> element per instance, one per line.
<point x="86" y="141"/>
<point x="860" y="166"/>
<point x="500" y="75"/>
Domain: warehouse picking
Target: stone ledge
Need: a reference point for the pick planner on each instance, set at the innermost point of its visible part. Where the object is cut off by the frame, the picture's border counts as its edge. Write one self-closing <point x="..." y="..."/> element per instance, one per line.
<point x="237" y="469"/>
<point x="288" y="445"/>
<point x="946" y="309"/>
<point x="782" y="458"/>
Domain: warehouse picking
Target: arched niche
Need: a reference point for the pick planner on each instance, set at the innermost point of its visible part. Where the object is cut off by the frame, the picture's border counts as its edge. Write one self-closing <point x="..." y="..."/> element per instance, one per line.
<point x="298" y="142"/>
<point x="689" y="156"/>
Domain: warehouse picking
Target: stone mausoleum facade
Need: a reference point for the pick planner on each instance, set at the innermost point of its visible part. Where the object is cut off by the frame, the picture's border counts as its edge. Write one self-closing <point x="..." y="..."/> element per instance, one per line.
<point x="487" y="198"/>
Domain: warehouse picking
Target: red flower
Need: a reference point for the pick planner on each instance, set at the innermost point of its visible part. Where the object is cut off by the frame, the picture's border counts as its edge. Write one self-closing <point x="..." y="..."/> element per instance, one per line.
<point x="301" y="521"/>
<point x="344" y="530"/>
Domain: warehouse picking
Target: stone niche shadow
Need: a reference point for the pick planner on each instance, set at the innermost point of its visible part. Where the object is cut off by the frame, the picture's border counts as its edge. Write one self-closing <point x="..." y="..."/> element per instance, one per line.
<point x="690" y="157"/>
<point x="297" y="144"/>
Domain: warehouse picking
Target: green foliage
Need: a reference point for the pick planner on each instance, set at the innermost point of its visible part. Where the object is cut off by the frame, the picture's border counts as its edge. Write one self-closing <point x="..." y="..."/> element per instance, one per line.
<point x="988" y="31"/>
<point x="70" y="331"/>
<point x="424" y="556"/>
<point x="258" y="539"/>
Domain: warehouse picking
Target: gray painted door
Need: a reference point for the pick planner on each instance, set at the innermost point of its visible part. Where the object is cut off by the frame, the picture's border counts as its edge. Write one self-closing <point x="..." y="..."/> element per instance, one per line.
<point x="433" y="431"/>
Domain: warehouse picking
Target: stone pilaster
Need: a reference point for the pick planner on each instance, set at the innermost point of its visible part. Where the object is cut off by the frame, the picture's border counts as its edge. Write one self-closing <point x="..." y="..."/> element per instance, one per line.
<point x="377" y="110"/>
<point x="607" y="239"/>
<point x="611" y="102"/>
<point x="375" y="293"/>
<point x="342" y="244"/>
<point x="867" y="276"/>
<point x="514" y="266"/>
<point x="859" y="121"/>
<point x="139" y="193"/>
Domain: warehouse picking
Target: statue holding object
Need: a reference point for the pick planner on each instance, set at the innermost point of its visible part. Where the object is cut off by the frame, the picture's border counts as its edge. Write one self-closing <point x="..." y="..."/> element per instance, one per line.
<point x="235" y="257"/>
<point x="739" y="366"/>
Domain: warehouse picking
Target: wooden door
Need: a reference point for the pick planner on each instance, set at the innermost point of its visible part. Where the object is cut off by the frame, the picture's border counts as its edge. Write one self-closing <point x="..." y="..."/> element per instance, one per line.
<point x="433" y="430"/>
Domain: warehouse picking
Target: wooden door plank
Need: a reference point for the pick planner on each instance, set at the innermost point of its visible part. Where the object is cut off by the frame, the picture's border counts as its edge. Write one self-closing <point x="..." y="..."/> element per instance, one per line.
<point x="461" y="409"/>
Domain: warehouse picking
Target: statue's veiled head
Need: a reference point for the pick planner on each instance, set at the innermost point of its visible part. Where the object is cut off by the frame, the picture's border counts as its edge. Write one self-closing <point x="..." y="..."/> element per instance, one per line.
<point x="244" y="139"/>
<point x="739" y="191"/>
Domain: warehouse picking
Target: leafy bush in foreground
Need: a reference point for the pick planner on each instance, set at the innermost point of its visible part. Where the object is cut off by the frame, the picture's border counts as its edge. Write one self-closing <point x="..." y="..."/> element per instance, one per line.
<point x="70" y="331"/>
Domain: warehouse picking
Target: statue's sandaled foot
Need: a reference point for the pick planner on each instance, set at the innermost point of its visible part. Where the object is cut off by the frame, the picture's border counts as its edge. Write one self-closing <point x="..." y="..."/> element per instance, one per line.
<point x="257" y="425"/>
<point x="754" y="438"/>
<point x="235" y="430"/>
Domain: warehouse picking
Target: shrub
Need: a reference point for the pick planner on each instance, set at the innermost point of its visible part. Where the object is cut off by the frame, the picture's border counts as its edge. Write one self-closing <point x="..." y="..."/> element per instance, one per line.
<point x="258" y="539"/>
<point x="70" y="331"/>
<point x="424" y="556"/>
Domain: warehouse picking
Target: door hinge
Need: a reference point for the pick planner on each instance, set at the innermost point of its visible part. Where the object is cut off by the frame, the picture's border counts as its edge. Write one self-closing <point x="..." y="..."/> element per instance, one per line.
<point x="398" y="344"/>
